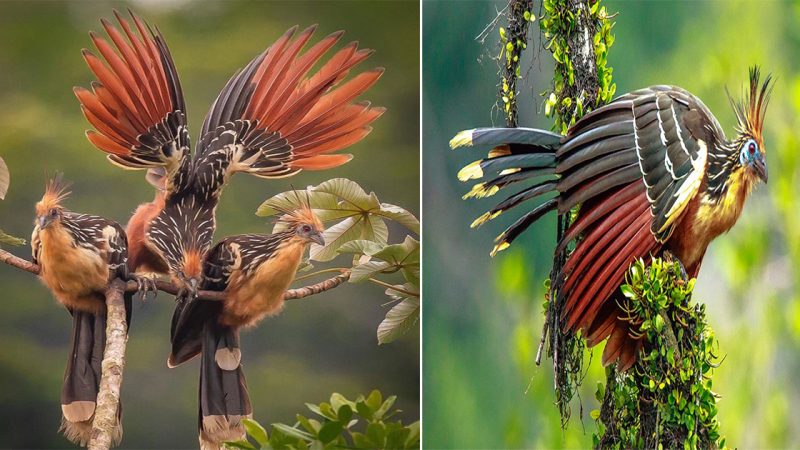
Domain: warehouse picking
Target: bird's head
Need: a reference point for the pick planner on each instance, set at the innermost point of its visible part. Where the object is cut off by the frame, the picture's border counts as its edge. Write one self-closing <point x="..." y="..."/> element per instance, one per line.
<point x="749" y="142"/>
<point x="49" y="210"/>
<point x="305" y="225"/>
<point x="302" y="222"/>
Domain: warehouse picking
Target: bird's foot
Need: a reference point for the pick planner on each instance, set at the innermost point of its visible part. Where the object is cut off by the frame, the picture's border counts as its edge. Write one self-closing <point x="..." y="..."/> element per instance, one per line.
<point x="188" y="287"/>
<point x="669" y="256"/>
<point x="145" y="285"/>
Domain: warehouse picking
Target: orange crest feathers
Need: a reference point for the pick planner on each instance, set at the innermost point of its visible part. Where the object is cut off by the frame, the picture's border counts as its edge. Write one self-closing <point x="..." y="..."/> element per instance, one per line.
<point x="54" y="194"/>
<point x="752" y="109"/>
<point x="293" y="218"/>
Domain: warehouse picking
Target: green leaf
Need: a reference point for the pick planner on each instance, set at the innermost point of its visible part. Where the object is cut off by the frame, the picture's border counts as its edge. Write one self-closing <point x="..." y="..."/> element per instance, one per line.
<point x="595" y="414"/>
<point x="10" y="240"/>
<point x="412" y="441"/>
<point x="399" y="320"/>
<point x="329" y="431"/>
<point x="5" y="179"/>
<point x="399" y="215"/>
<point x="293" y="432"/>
<point x="385" y="407"/>
<point x="365" y="271"/>
<point x="256" y="431"/>
<point x="374" y="400"/>
<point x="241" y="443"/>
<point x="361" y="247"/>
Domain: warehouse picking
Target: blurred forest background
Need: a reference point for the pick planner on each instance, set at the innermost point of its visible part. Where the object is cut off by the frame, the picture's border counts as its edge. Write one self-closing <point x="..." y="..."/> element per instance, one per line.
<point x="319" y="345"/>
<point x="483" y="316"/>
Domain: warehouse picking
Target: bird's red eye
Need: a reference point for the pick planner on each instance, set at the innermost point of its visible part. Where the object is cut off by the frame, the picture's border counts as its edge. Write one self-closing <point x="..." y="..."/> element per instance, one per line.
<point x="751" y="148"/>
<point x="306" y="228"/>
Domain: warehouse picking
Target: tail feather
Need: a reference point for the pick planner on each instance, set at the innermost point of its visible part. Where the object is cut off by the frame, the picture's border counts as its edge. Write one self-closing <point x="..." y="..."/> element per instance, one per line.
<point x="506" y="136"/>
<point x="82" y="378"/>
<point x="187" y="329"/>
<point x="224" y="399"/>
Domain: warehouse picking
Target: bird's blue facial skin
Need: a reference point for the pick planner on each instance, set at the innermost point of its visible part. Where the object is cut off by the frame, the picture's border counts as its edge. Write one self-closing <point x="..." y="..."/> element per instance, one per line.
<point x="749" y="153"/>
<point x="750" y="156"/>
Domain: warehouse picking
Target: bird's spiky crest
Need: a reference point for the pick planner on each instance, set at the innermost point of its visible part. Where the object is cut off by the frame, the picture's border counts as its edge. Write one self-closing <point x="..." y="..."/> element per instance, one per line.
<point x="57" y="191"/>
<point x="300" y="215"/>
<point x="751" y="110"/>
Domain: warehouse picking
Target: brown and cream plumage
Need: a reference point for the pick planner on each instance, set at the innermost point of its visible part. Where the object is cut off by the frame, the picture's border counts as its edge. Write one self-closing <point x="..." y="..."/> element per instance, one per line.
<point x="254" y="271"/>
<point x="78" y="255"/>
<point x="273" y="119"/>
<point x="651" y="171"/>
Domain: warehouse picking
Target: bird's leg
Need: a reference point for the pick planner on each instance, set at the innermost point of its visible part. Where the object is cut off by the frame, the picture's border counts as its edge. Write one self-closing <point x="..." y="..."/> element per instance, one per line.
<point x="146" y="284"/>
<point x="669" y="256"/>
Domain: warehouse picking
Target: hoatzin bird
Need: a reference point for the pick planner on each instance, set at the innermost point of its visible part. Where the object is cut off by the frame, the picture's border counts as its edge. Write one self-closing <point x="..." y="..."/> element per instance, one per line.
<point x="254" y="271"/>
<point x="651" y="172"/>
<point x="78" y="255"/>
<point x="272" y="120"/>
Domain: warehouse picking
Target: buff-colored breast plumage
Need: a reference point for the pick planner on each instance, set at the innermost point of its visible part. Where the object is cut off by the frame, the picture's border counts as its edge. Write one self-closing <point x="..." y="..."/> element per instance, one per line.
<point x="73" y="274"/>
<point x="251" y="299"/>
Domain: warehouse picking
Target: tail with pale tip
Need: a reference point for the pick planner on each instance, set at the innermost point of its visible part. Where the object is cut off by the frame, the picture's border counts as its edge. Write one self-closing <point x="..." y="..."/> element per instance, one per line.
<point x="82" y="379"/>
<point x="516" y="155"/>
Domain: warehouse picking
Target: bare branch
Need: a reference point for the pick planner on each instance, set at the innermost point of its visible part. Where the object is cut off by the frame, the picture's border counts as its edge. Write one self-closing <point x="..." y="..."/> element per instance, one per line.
<point x="105" y="414"/>
<point x="169" y="288"/>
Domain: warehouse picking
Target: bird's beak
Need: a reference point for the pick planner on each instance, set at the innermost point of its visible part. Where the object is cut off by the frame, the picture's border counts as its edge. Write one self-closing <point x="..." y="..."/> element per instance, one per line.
<point x="760" y="167"/>
<point x="317" y="238"/>
<point x="43" y="222"/>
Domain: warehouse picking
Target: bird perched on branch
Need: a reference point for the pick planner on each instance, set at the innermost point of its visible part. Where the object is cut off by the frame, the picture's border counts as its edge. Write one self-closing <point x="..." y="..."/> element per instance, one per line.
<point x="254" y="271"/>
<point x="650" y="172"/>
<point x="273" y="119"/>
<point x="78" y="255"/>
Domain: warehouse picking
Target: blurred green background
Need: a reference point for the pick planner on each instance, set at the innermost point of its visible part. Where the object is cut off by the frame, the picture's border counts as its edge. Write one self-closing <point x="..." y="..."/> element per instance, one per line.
<point x="317" y="346"/>
<point x="482" y="316"/>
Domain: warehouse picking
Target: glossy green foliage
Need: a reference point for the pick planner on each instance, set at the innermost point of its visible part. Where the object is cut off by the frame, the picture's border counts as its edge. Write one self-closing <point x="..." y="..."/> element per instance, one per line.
<point x="665" y="400"/>
<point x="364" y="423"/>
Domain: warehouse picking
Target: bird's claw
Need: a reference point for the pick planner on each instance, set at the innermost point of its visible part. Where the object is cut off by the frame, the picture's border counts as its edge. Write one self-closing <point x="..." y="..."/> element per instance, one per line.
<point x="672" y="258"/>
<point x="145" y="286"/>
<point x="188" y="289"/>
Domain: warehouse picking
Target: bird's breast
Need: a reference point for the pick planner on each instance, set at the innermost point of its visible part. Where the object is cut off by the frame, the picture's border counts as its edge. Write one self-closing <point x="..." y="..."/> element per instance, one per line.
<point x="708" y="218"/>
<point x="251" y="298"/>
<point x="74" y="274"/>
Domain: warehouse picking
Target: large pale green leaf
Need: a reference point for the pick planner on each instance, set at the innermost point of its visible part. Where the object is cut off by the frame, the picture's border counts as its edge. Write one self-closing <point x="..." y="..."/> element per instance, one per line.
<point x="399" y="215"/>
<point x="400" y="318"/>
<point x="367" y="270"/>
<point x="403" y="254"/>
<point x="5" y="179"/>
<point x="361" y="247"/>
<point x="360" y="215"/>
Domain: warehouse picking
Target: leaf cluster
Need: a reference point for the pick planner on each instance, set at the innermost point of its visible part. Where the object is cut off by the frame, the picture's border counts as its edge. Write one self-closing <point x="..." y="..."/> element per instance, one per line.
<point x="360" y="230"/>
<point x="363" y="423"/>
<point x="665" y="400"/>
<point x="558" y="23"/>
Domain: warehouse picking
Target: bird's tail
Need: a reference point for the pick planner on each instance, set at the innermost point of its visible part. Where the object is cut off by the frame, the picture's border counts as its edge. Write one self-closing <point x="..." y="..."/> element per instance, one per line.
<point x="224" y="400"/>
<point x="517" y="155"/>
<point x="82" y="377"/>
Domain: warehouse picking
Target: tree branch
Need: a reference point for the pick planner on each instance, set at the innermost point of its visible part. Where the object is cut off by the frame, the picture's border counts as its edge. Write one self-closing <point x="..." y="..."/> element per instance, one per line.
<point x="169" y="288"/>
<point x="105" y="414"/>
